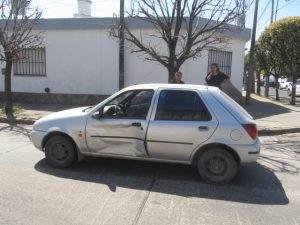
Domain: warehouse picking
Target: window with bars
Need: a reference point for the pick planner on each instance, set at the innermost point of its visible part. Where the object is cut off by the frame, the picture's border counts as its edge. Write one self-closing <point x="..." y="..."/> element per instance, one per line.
<point x="32" y="62"/>
<point x="222" y="58"/>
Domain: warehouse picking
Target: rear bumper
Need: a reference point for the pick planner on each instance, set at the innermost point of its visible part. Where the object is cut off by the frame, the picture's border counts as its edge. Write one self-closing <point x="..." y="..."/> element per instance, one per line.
<point x="248" y="153"/>
<point x="37" y="137"/>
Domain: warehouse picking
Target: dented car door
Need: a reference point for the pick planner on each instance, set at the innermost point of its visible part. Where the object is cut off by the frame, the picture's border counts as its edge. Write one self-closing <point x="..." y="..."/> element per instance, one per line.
<point x="120" y="128"/>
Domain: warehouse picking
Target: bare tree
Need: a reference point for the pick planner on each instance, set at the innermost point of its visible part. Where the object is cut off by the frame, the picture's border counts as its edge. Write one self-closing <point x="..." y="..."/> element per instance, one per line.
<point x="18" y="18"/>
<point x="184" y="27"/>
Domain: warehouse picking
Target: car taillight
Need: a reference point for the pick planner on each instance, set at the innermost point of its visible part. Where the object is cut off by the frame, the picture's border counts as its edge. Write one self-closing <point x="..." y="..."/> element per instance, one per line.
<point x="251" y="130"/>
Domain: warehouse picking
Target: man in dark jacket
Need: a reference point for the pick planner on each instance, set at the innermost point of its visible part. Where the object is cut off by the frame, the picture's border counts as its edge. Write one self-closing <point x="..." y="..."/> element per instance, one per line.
<point x="177" y="78"/>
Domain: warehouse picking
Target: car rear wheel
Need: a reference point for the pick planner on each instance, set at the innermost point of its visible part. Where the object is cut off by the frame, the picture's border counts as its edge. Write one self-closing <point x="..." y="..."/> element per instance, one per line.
<point x="60" y="152"/>
<point x="217" y="166"/>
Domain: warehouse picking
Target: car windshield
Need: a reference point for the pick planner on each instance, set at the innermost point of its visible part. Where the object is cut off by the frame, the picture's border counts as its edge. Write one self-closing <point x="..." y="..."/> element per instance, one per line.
<point x="120" y="98"/>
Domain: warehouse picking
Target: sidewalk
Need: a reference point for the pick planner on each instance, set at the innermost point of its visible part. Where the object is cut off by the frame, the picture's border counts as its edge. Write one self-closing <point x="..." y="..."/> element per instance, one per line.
<point x="33" y="112"/>
<point x="272" y="118"/>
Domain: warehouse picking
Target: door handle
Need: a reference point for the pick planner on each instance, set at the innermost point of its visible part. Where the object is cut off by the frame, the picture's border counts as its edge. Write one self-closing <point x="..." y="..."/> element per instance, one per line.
<point x="136" y="124"/>
<point x="203" y="128"/>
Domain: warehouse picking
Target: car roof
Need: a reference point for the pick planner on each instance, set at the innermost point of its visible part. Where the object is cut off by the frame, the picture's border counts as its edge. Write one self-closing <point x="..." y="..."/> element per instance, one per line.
<point x="175" y="86"/>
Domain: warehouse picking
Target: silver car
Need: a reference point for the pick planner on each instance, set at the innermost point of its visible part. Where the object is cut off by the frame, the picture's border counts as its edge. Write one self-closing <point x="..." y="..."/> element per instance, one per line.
<point x="290" y="87"/>
<point x="188" y="124"/>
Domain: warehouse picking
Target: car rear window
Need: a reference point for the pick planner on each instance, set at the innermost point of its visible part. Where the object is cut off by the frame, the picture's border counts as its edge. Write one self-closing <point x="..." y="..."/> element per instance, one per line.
<point x="232" y="105"/>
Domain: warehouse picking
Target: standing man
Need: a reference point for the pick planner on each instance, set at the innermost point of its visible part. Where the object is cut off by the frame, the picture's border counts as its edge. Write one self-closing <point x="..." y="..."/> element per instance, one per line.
<point x="177" y="78"/>
<point x="215" y="77"/>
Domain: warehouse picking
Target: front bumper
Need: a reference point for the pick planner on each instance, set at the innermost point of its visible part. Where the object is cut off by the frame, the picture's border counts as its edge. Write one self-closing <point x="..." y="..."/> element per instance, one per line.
<point x="37" y="137"/>
<point x="248" y="153"/>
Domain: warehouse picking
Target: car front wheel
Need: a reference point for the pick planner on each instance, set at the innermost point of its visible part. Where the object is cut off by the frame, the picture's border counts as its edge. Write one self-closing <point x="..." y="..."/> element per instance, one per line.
<point x="60" y="152"/>
<point x="217" y="166"/>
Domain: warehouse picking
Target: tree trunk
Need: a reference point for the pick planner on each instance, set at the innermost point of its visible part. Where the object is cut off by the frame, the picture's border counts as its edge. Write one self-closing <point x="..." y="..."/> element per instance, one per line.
<point x="8" y="106"/>
<point x="267" y="85"/>
<point x="277" y="88"/>
<point x="258" y="83"/>
<point x="171" y="72"/>
<point x="293" y="94"/>
<point x="171" y="69"/>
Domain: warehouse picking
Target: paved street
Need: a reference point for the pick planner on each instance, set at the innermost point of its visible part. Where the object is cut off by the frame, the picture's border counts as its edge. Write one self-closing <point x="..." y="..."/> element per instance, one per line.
<point x="112" y="191"/>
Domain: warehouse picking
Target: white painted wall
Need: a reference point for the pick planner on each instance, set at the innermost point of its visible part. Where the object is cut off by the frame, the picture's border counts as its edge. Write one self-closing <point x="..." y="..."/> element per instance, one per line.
<point x="194" y="71"/>
<point x="86" y="62"/>
<point x="78" y="62"/>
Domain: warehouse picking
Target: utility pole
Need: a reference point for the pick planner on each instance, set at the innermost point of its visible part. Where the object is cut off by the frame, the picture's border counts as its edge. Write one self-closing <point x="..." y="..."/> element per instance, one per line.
<point x="251" y="63"/>
<point x="121" y="47"/>
<point x="272" y="12"/>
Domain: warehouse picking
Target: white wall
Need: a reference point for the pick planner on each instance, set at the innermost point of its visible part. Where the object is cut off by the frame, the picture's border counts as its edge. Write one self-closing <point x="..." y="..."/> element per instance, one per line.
<point x="77" y="62"/>
<point x="86" y="62"/>
<point x="138" y="70"/>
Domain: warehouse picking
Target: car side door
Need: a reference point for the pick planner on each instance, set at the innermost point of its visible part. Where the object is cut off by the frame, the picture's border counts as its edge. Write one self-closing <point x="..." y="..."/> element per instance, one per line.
<point x="119" y="127"/>
<point x="180" y="123"/>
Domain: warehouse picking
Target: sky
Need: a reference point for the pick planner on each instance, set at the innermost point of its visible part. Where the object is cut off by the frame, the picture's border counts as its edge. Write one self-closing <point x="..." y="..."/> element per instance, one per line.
<point x="107" y="8"/>
<point x="285" y="9"/>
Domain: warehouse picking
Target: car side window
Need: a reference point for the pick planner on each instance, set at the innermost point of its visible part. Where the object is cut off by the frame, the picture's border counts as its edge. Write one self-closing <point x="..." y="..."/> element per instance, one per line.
<point x="130" y="105"/>
<point x="180" y="105"/>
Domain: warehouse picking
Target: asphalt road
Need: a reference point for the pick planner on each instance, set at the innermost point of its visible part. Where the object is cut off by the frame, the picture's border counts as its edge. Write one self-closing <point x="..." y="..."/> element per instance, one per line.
<point x="282" y="94"/>
<point x="112" y="191"/>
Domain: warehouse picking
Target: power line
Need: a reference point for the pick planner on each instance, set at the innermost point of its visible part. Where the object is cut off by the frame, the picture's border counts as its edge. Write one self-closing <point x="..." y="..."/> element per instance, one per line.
<point x="269" y="18"/>
<point x="262" y="13"/>
<point x="249" y="13"/>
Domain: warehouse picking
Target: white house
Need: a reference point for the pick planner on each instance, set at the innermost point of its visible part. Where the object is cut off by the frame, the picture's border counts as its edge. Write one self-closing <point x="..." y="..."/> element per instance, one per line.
<point x="78" y="63"/>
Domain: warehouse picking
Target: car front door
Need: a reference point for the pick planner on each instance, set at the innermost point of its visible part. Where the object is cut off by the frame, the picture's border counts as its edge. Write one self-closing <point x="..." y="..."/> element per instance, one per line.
<point x="119" y="127"/>
<point x="181" y="122"/>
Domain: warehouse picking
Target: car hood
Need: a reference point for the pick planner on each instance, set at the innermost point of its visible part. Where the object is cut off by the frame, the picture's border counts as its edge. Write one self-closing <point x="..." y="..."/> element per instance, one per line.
<point x="65" y="114"/>
<point x="61" y="116"/>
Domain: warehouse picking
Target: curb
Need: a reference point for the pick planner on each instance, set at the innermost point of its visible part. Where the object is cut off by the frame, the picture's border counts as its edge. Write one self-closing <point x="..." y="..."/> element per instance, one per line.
<point x="16" y="121"/>
<point x="266" y="132"/>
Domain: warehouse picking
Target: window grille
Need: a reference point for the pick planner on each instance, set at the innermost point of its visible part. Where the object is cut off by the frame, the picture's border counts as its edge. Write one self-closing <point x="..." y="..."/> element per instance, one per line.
<point x="32" y="62"/>
<point x="222" y="58"/>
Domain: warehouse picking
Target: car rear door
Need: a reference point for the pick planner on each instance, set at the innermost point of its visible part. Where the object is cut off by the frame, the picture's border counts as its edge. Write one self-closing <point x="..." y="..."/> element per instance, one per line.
<point x="180" y="123"/>
<point x="121" y="133"/>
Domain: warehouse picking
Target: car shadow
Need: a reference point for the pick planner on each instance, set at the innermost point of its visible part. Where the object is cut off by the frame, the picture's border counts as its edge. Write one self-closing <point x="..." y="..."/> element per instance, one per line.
<point x="254" y="184"/>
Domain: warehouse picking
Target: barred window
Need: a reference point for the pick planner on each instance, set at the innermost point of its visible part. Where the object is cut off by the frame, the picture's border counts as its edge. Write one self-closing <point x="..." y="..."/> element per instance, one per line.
<point x="222" y="58"/>
<point x="32" y="62"/>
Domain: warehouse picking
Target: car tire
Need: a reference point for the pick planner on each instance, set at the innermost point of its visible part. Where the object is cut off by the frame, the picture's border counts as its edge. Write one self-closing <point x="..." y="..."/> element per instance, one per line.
<point x="60" y="152"/>
<point x="217" y="166"/>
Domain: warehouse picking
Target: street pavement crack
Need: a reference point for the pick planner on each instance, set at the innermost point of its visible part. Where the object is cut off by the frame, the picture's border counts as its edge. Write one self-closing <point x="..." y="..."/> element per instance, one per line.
<point x="142" y="206"/>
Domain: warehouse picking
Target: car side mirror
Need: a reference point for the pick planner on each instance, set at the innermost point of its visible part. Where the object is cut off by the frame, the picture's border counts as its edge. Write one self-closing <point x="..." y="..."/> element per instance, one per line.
<point x="97" y="115"/>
